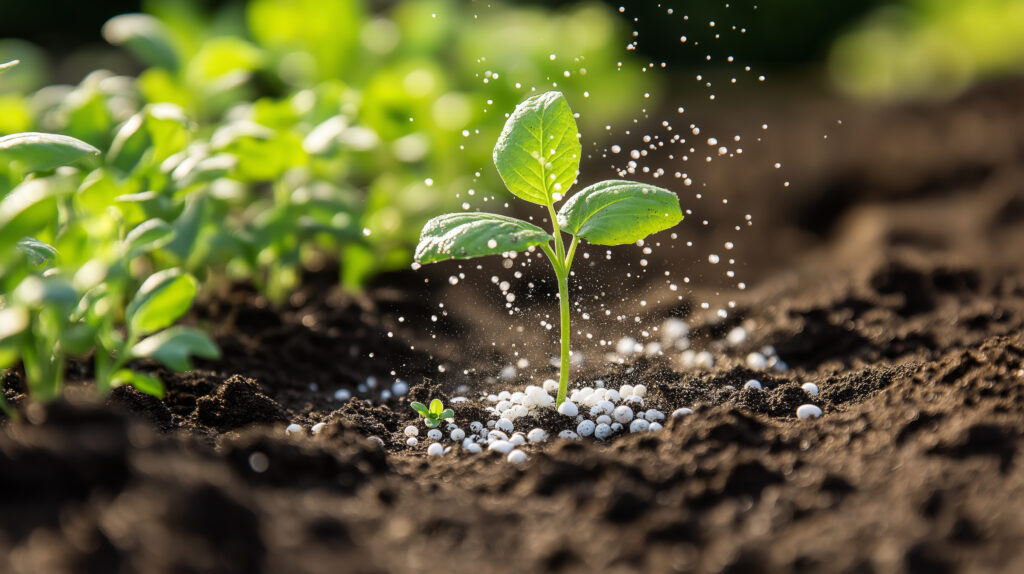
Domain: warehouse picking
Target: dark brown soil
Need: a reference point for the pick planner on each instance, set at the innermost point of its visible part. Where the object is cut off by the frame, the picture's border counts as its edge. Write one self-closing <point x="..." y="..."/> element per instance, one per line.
<point x="891" y="273"/>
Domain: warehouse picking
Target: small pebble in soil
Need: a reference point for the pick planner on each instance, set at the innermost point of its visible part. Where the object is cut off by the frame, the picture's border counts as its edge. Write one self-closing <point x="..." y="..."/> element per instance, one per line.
<point x="682" y="412"/>
<point x="585" y="428"/>
<point x="502" y="446"/>
<point x="504" y="425"/>
<point x="411" y="431"/>
<point x="412" y="441"/>
<point x="757" y="361"/>
<point x="810" y="389"/>
<point x="602" y="431"/>
<point x="516" y="456"/>
<point x="569" y="409"/>
<point x="537" y="435"/>
<point x="808" y="412"/>
<point x="434" y="434"/>
<point x="293" y="429"/>
<point x="342" y="395"/>
<point x="435" y="449"/>
<point x="568" y="434"/>
<point x="639" y="425"/>
<point x="753" y="384"/>
<point x="622" y="414"/>
<point x="457" y="435"/>
<point x="318" y="427"/>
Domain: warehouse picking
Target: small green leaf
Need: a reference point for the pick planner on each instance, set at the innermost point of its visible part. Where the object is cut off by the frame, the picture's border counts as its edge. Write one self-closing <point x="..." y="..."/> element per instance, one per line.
<point x="144" y="36"/>
<point x="174" y="348"/>
<point x="161" y="300"/>
<point x="144" y="383"/>
<point x="616" y="212"/>
<point x="538" y="152"/>
<point x="446" y="414"/>
<point x="432" y="423"/>
<point x="467" y="235"/>
<point x="41" y="152"/>
<point x="147" y="236"/>
<point x="436" y="406"/>
<point x="37" y="251"/>
<point x="420" y="408"/>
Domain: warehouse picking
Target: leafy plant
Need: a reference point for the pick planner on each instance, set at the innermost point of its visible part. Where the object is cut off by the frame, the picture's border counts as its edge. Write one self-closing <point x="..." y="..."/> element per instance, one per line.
<point x="433" y="416"/>
<point x="538" y="157"/>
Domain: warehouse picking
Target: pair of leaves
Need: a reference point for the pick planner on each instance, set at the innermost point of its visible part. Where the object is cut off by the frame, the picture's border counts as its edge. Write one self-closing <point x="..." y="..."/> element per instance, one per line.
<point x="537" y="156"/>
<point x="433" y="415"/>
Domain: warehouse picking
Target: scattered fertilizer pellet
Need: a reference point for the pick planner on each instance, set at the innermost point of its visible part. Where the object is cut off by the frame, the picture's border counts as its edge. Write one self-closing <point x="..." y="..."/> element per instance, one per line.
<point x="682" y="412"/>
<point x="537" y="435"/>
<point x="550" y="386"/>
<point x="434" y="434"/>
<point x="654" y="415"/>
<point x="502" y="446"/>
<point x="737" y="336"/>
<point x="585" y="428"/>
<point x="603" y="419"/>
<point x="568" y="434"/>
<point x="376" y="439"/>
<point x="655" y="427"/>
<point x="625" y="390"/>
<point x="810" y="389"/>
<point x="640" y="391"/>
<point x="457" y="435"/>
<point x="516" y="456"/>
<point x="757" y="361"/>
<point x="435" y="449"/>
<point x="602" y="431"/>
<point x="412" y="441"/>
<point x="808" y="412"/>
<point x="602" y="408"/>
<point x="704" y="360"/>
<point x="318" y="427"/>
<point x="639" y="425"/>
<point x="476" y="426"/>
<point x="342" y="395"/>
<point x="496" y="435"/>
<point x="616" y="427"/>
<point x="473" y="448"/>
<point x="504" y="425"/>
<point x="569" y="409"/>
<point x="517" y="439"/>
<point x="622" y="414"/>
<point x="293" y="429"/>
<point x="753" y="384"/>
<point x="401" y="388"/>
<point x="634" y="399"/>
<point x="411" y="431"/>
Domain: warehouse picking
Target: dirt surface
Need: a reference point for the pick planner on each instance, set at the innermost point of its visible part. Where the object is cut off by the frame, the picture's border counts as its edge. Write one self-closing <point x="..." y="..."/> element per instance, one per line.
<point x="890" y="273"/>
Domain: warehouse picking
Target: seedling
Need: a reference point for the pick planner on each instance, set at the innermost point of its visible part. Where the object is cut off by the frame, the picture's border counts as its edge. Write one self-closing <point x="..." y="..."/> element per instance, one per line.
<point x="433" y="416"/>
<point x="538" y="158"/>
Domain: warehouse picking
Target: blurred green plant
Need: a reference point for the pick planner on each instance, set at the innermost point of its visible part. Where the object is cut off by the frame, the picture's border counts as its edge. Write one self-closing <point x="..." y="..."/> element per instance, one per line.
<point x="929" y="48"/>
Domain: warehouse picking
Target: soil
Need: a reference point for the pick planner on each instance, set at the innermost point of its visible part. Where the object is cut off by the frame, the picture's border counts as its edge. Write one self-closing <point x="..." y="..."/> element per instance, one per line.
<point x="890" y="272"/>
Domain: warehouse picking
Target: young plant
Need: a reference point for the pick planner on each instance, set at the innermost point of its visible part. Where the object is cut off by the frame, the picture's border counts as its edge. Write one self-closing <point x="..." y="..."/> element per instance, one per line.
<point x="433" y="416"/>
<point x="538" y="158"/>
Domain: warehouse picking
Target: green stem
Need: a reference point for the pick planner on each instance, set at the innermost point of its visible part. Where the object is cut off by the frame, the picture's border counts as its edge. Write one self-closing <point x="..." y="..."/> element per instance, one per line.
<point x="562" y="262"/>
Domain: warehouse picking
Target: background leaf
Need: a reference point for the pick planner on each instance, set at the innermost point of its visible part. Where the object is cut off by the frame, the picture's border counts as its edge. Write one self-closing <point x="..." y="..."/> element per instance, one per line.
<point x="616" y="212"/>
<point x="538" y="152"/>
<point x="174" y="348"/>
<point x="467" y="235"/>
<point x="145" y="37"/>
<point x="163" y="299"/>
<point x="144" y="383"/>
<point x="41" y="152"/>
<point x="147" y="236"/>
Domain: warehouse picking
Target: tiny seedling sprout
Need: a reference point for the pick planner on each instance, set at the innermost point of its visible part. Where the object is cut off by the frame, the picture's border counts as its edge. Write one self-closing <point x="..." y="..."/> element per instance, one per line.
<point x="433" y="416"/>
<point x="538" y="157"/>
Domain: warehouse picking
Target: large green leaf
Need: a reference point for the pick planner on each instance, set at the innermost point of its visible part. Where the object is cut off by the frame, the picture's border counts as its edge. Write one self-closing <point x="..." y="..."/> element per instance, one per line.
<point x="144" y="36"/>
<point x="538" y="152"/>
<point x="616" y="212"/>
<point x="468" y="235"/>
<point x="174" y="347"/>
<point x="40" y="152"/>
<point x="161" y="300"/>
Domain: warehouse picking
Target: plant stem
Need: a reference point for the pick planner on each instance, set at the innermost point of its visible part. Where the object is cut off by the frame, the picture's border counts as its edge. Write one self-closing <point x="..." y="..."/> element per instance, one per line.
<point x="562" y="262"/>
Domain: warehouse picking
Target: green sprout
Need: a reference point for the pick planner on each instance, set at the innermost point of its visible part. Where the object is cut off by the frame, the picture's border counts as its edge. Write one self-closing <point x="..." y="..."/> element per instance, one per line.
<point x="433" y="416"/>
<point x="538" y="158"/>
